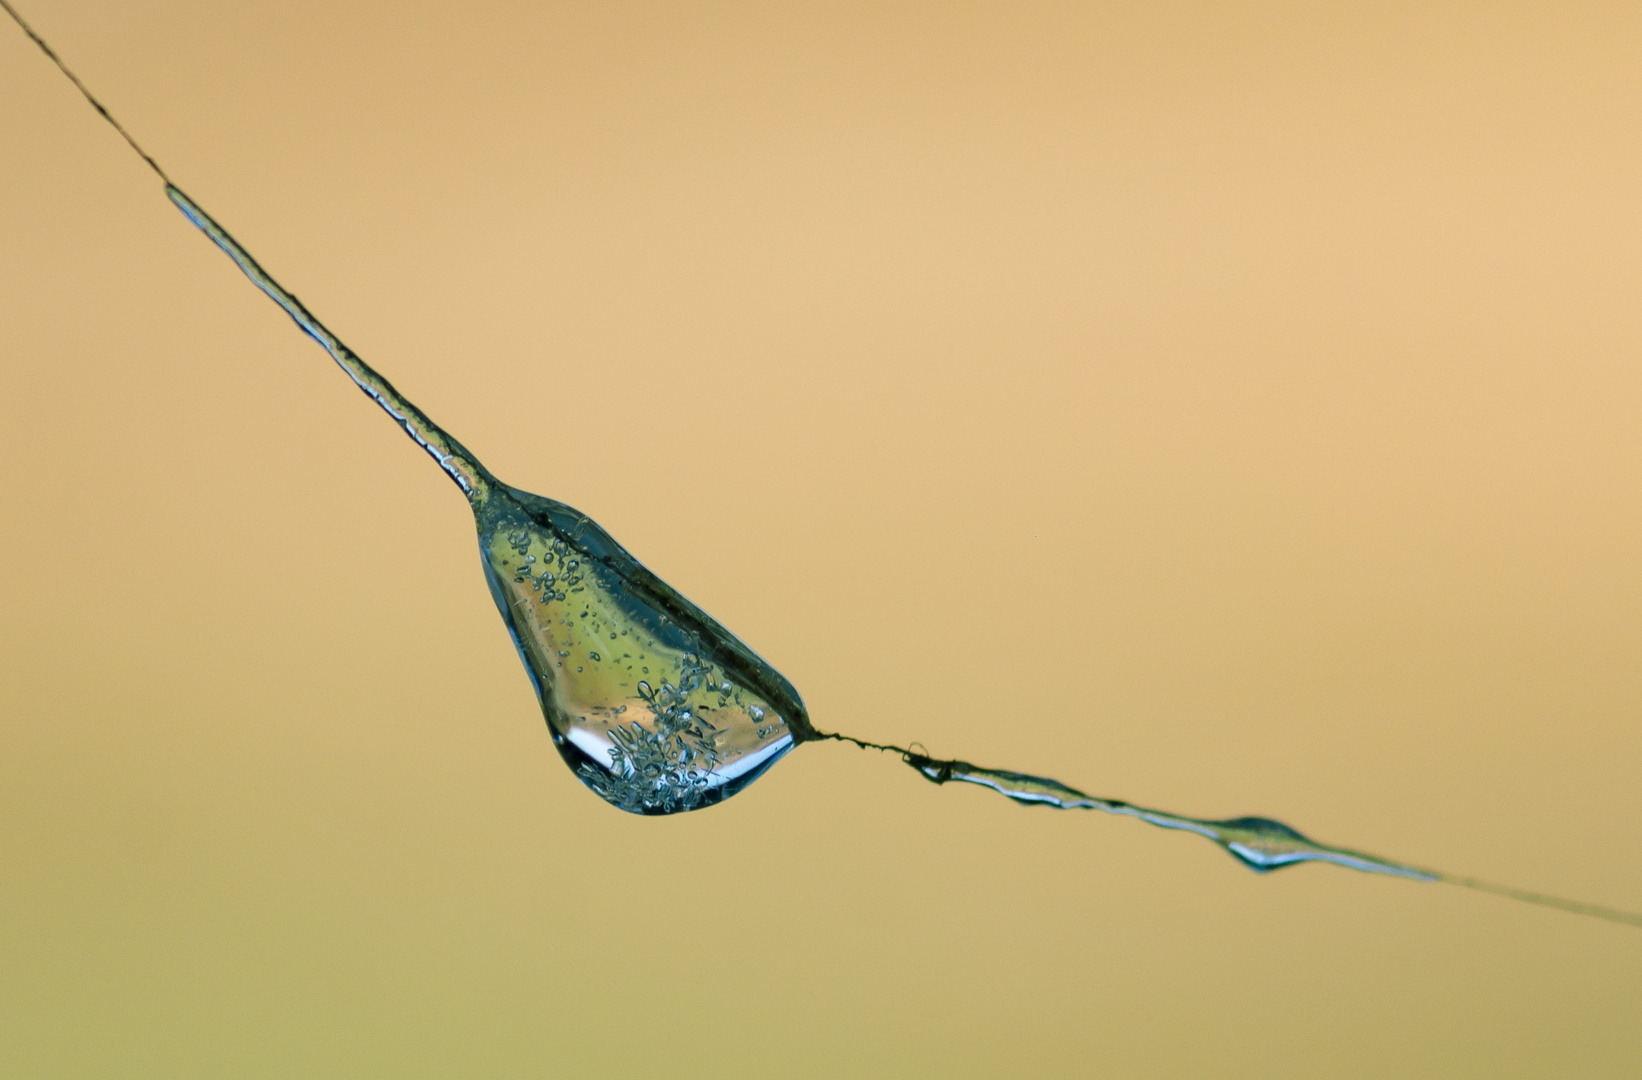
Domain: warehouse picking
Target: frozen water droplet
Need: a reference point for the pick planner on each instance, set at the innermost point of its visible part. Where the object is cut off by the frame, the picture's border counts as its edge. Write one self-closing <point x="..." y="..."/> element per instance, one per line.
<point x="671" y="757"/>
<point x="664" y="758"/>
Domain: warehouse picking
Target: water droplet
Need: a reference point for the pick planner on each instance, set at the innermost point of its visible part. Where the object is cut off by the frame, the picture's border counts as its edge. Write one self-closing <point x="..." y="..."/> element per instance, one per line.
<point x="1259" y="843"/>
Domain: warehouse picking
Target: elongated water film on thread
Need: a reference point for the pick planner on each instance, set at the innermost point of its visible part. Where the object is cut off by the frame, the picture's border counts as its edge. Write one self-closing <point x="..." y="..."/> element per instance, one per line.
<point x="654" y="705"/>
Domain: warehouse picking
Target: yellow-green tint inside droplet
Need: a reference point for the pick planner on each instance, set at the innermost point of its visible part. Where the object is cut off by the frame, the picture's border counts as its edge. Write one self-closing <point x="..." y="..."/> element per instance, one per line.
<point x="600" y="668"/>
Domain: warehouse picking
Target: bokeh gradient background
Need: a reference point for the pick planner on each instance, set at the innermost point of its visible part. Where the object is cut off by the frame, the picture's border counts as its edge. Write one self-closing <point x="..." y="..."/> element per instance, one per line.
<point x="1229" y="407"/>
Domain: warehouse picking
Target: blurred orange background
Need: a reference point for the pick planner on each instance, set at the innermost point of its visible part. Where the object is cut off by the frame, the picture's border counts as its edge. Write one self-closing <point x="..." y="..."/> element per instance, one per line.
<point x="1231" y="408"/>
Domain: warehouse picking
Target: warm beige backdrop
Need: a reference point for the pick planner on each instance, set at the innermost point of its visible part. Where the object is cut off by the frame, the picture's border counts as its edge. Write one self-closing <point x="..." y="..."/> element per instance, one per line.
<point x="1236" y="411"/>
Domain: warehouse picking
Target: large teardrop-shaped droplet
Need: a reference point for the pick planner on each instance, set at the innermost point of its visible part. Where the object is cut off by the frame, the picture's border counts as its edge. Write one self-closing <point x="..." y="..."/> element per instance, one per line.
<point x="651" y="702"/>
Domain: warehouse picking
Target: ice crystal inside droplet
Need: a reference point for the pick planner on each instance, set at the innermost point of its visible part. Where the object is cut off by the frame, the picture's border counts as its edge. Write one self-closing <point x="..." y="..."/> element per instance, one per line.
<point x="673" y="713"/>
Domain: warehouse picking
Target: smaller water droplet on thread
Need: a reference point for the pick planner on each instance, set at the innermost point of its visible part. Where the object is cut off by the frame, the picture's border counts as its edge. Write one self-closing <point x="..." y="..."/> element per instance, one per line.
<point x="1259" y="843"/>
